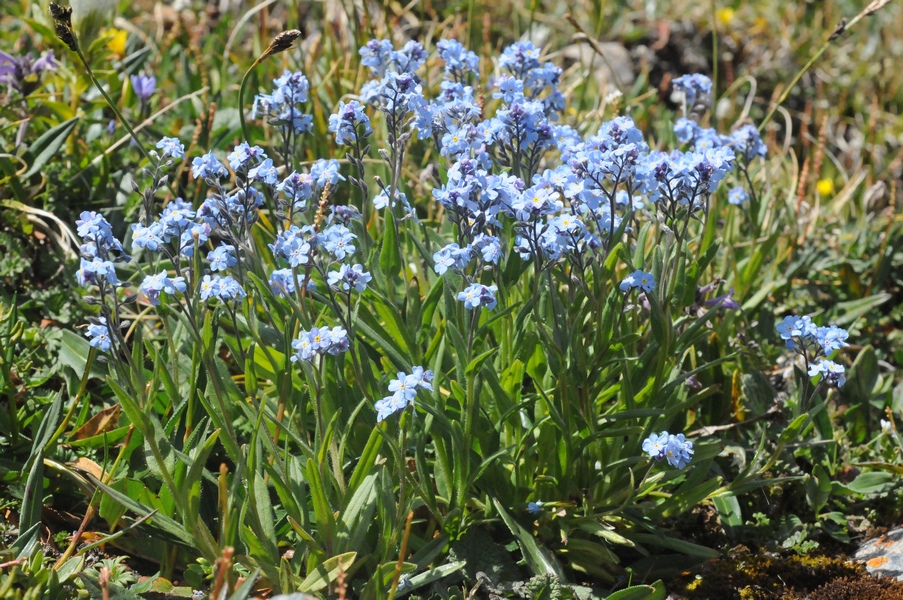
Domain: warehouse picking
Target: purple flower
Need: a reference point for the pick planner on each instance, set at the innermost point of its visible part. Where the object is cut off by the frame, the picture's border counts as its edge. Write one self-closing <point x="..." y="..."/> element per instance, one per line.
<point x="144" y="86"/>
<point x="727" y="301"/>
<point x="22" y="72"/>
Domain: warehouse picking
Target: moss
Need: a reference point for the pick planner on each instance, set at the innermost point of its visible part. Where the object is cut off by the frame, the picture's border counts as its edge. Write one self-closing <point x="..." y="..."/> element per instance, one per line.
<point x="754" y="576"/>
<point x="868" y="588"/>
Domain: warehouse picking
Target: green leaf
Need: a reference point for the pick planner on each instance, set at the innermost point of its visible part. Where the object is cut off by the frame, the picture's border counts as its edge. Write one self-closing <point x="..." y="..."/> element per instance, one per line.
<point x="656" y="591"/>
<point x="863" y="376"/>
<point x="479" y="360"/>
<point x="357" y="515"/>
<point x="327" y="572"/>
<point x="818" y="488"/>
<point x="115" y="591"/>
<point x="389" y="258"/>
<point x="430" y="576"/>
<point x="45" y="147"/>
<point x="540" y="561"/>
<point x="74" y="351"/>
<point x="728" y="508"/>
<point x="244" y="591"/>
<point x="682" y="546"/>
<point x="868" y="483"/>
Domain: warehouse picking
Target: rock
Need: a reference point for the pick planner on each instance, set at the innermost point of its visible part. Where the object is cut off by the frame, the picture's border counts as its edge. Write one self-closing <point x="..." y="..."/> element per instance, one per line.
<point x="884" y="555"/>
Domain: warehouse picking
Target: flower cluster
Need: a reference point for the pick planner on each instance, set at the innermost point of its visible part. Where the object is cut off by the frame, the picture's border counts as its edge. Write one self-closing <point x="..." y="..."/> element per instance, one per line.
<point x="22" y="72"/>
<point x="319" y="341"/>
<point x="404" y="390"/>
<point x="225" y="288"/>
<point x="282" y="106"/>
<point x="349" y="278"/>
<point x="806" y="338"/>
<point x="638" y="280"/>
<point x="676" y="449"/>
<point x="350" y="123"/>
<point x="696" y="88"/>
<point x="153" y="285"/>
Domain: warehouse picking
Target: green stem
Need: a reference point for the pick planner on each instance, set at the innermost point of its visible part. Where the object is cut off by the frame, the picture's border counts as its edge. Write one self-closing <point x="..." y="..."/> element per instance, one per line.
<point x="81" y="390"/>
<point x="113" y="107"/>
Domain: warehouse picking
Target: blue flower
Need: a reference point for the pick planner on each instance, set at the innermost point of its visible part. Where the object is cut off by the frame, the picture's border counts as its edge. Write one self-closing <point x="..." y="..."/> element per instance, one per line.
<point x="696" y="87"/>
<point x="349" y="277"/>
<point x="458" y="60"/>
<point x="737" y="196"/>
<point x="675" y="448"/>
<point x="150" y="237"/>
<point x="244" y="155"/>
<point x="338" y="241"/>
<point x="325" y="171"/>
<point x="99" y="335"/>
<point x="831" y="372"/>
<point x="534" y="508"/>
<point x="282" y="282"/>
<point x="95" y="271"/>
<point x="398" y="95"/>
<point x="282" y="105"/>
<point x="291" y="246"/>
<point x="376" y="54"/>
<point x="172" y="147"/>
<point x="678" y="451"/>
<point x="208" y="167"/>
<point x="265" y="172"/>
<point x="410" y="58"/>
<point x="297" y="190"/>
<point x="747" y="143"/>
<point x="349" y="123"/>
<point x="222" y="288"/>
<point x="687" y="131"/>
<point x="153" y="285"/>
<point x="638" y="280"/>
<point x="832" y="338"/>
<point x="94" y="229"/>
<point x="404" y="389"/>
<point x="800" y="334"/>
<point x="222" y="257"/>
<point x="476" y="295"/>
<point x="452" y="257"/>
<point x="319" y="341"/>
